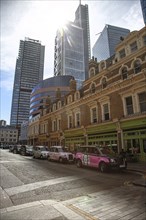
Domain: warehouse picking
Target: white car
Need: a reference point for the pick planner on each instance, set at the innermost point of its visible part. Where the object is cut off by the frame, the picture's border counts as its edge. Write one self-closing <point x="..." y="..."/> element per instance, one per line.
<point x="40" y="152"/>
<point x="58" y="153"/>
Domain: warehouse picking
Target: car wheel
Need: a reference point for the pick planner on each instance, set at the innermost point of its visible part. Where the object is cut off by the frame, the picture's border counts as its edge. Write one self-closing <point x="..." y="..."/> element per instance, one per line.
<point x="15" y="151"/>
<point x="79" y="163"/>
<point x="103" y="167"/>
<point x="33" y="156"/>
<point x="60" y="160"/>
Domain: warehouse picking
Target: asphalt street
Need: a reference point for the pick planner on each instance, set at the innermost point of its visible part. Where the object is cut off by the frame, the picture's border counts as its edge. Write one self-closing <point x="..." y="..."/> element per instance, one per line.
<point x="38" y="189"/>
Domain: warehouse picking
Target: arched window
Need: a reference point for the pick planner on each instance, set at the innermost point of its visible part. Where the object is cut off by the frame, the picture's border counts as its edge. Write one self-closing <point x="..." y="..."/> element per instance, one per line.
<point x="104" y="83"/>
<point x="137" y="66"/>
<point x="93" y="88"/>
<point x="92" y="72"/>
<point x="77" y="95"/>
<point x="124" y="73"/>
<point x="102" y="65"/>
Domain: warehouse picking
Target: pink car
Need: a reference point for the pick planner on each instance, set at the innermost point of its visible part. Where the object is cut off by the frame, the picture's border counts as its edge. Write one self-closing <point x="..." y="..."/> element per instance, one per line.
<point x="102" y="158"/>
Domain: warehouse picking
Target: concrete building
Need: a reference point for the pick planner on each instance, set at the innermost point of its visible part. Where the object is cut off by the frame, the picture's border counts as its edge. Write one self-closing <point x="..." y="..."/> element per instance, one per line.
<point x="107" y="41"/>
<point x="110" y="108"/>
<point x="8" y="135"/>
<point x="28" y="72"/>
<point x="72" y="47"/>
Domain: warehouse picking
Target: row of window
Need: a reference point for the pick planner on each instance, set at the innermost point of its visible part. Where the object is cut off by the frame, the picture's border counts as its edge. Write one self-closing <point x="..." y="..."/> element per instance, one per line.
<point x="75" y="120"/>
<point x="136" y="65"/>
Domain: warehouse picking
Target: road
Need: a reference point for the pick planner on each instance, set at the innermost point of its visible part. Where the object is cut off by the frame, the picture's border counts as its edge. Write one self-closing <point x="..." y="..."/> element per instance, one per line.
<point x="25" y="180"/>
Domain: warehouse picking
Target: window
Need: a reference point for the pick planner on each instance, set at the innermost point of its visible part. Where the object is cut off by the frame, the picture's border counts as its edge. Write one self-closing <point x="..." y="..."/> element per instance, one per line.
<point x="59" y="104"/>
<point x="133" y="46"/>
<point x="142" y="101"/>
<point x="54" y="107"/>
<point x="93" y="115"/>
<point x="122" y="53"/>
<point x="70" y="123"/>
<point x="54" y="125"/>
<point x="78" y="120"/>
<point x="77" y="95"/>
<point x="93" y="88"/>
<point x="104" y="83"/>
<point x="102" y="65"/>
<point x="137" y="66"/>
<point x="144" y="40"/>
<point x="92" y="72"/>
<point x="59" y="124"/>
<point x="129" y="105"/>
<point x="69" y="99"/>
<point x="106" y="112"/>
<point x="124" y="73"/>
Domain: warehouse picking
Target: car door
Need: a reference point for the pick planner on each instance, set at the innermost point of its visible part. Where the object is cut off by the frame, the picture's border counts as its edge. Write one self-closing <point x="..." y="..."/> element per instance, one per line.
<point x="51" y="154"/>
<point x="94" y="158"/>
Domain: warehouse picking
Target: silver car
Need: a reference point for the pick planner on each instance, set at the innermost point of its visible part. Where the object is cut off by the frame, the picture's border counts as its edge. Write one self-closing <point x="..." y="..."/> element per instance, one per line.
<point x="40" y="152"/>
<point x="58" y="153"/>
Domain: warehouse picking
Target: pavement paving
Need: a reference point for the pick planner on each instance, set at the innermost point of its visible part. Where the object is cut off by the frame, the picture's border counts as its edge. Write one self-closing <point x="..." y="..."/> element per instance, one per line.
<point x="127" y="202"/>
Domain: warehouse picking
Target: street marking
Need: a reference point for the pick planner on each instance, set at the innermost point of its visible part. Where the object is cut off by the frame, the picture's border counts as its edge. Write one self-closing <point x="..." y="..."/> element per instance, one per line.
<point x="32" y="186"/>
<point x="82" y="213"/>
<point x="68" y="213"/>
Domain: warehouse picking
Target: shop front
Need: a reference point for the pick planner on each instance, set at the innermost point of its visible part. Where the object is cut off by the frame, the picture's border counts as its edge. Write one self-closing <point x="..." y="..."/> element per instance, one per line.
<point x="74" y="138"/>
<point x="103" y="135"/>
<point x="134" y="138"/>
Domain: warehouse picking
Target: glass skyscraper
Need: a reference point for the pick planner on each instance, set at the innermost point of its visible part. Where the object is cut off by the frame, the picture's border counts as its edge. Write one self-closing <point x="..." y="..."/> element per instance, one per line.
<point x="28" y="73"/>
<point x="107" y="41"/>
<point x="72" y="47"/>
<point x="143" y="7"/>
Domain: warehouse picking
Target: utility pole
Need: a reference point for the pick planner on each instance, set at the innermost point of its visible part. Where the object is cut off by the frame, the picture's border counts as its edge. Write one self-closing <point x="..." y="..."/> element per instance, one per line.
<point x="79" y="2"/>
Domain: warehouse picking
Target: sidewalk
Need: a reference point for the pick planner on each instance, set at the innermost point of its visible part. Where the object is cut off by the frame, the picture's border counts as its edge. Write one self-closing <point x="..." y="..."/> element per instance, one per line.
<point x="139" y="167"/>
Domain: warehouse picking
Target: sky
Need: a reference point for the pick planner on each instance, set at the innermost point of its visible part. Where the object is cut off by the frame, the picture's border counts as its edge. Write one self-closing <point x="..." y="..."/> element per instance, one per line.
<point x="40" y="19"/>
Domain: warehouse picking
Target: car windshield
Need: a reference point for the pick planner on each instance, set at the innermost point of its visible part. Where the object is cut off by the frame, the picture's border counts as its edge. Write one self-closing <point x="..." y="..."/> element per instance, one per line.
<point x="60" y="150"/>
<point x="106" y="150"/>
<point x="29" y="147"/>
<point x="44" y="149"/>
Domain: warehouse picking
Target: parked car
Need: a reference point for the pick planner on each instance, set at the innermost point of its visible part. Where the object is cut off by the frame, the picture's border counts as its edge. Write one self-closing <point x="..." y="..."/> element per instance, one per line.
<point x="40" y="152"/>
<point x="102" y="158"/>
<point x="26" y="150"/>
<point x="17" y="149"/>
<point x="4" y="146"/>
<point x="11" y="148"/>
<point x="58" y="153"/>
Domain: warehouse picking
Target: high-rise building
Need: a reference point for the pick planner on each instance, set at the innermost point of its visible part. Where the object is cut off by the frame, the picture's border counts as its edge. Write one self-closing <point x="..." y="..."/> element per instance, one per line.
<point x="107" y="41"/>
<point x="72" y="47"/>
<point x="28" y="73"/>
<point x="143" y="7"/>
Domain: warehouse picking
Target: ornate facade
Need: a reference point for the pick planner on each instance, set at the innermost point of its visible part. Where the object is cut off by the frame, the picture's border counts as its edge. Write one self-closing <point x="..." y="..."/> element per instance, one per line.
<point x="109" y="109"/>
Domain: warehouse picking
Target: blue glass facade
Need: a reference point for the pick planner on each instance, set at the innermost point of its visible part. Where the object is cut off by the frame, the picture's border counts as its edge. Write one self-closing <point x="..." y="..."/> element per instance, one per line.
<point x="143" y="7"/>
<point x="107" y="41"/>
<point x="28" y="72"/>
<point x="48" y="88"/>
<point x="72" y="47"/>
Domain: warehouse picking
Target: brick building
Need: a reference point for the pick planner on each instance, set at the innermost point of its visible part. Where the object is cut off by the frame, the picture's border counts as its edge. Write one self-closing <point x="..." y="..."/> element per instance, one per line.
<point x="110" y="108"/>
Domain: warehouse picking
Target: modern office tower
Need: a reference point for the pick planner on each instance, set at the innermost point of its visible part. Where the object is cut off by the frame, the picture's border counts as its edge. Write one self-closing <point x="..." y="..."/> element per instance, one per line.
<point x="107" y="41"/>
<point x="72" y="47"/>
<point x="82" y="20"/>
<point x="28" y="73"/>
<point x="143" y="7"/>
